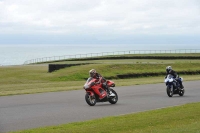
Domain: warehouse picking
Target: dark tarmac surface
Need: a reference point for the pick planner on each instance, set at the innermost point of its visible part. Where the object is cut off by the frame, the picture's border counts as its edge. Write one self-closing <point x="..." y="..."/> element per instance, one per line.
<point x="46" y="109"/>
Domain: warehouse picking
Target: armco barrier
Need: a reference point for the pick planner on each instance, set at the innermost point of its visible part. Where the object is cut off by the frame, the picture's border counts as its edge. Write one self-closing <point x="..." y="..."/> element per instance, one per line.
<point x="89" y="55"/>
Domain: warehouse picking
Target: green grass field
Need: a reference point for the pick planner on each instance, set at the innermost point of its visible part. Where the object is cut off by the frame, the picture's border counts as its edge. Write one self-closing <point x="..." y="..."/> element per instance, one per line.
<point x="35" y="78"/>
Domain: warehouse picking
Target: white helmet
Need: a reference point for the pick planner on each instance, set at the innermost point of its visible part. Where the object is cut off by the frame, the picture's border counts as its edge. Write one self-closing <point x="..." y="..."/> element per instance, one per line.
<point x="168" y="68"/>
<point x="92" y="73"/>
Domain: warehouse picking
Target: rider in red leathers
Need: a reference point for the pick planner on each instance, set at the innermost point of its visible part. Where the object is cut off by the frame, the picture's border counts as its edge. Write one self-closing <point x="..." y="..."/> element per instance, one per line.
<point x="100" y="79"/>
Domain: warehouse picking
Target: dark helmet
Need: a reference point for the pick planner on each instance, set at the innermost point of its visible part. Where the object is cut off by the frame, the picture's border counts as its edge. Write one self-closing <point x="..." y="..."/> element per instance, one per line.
<point x="92" y="73"/>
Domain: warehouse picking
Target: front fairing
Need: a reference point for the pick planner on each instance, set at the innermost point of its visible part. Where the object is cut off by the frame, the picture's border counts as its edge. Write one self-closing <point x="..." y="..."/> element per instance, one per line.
<point x="94" y="86"/>
<point x="110" y="83"/>
<point x="89" y="83"/>
<point x="169" y="79"/>
<point x="169" y="84"/>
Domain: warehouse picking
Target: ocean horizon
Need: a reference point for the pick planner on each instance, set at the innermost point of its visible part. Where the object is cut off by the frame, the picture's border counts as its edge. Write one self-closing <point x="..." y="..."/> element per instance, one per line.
<point x="18" y="54"/>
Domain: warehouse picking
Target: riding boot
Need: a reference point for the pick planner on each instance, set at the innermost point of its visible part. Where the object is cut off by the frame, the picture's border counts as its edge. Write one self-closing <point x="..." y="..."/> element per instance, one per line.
<point x="182" y="86"/>
<point x="105" y="86"/>
<point x="108" y="90"/>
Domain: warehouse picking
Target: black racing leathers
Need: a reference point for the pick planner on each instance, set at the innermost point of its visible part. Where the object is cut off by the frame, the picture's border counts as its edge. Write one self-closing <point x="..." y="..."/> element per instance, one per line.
<point x="173" y="73"/>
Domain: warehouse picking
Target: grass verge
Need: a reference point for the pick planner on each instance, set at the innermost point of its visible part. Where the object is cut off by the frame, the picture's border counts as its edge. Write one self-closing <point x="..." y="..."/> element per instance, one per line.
<point x="40" y="87"/>
<point x="179" y="119"/>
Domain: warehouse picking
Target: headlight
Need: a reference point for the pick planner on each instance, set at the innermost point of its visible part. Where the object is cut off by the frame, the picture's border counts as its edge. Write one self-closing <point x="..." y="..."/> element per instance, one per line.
<point x="86" y="86"/>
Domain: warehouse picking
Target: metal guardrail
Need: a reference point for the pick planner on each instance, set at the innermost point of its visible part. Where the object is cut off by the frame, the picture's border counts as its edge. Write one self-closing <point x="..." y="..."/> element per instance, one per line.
<point x="64" y="57"/>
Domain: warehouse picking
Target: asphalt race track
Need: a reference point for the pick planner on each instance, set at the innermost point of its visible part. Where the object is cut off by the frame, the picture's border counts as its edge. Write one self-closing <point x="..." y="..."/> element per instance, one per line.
<point x="45" y="109"/>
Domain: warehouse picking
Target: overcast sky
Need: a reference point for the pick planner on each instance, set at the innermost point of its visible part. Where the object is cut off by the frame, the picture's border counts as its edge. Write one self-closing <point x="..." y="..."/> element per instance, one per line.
<point x="99" y="21"/>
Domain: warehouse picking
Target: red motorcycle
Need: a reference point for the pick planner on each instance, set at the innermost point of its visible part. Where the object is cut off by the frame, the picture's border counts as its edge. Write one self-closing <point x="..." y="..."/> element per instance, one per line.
<point x="95" y="92"/>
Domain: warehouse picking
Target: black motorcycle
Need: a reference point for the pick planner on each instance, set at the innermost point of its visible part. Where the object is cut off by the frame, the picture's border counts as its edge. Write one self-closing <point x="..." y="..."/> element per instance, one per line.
<point x="173" y="86"/>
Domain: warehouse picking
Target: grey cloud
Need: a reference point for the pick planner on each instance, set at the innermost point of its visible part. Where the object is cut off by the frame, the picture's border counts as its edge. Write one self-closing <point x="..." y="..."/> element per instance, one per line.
<point x="100" y="16"/>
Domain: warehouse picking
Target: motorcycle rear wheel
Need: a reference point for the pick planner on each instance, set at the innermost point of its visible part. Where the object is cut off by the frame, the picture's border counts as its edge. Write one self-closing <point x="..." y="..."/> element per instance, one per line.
<point x="91" y="100"/>
<point x="181" y="92"/>
<point x="170" y="91"/>
<point x="113" y="100"/>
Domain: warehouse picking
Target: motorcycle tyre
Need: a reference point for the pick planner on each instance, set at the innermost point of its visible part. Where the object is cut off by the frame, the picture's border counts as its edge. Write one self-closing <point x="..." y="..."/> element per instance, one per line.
<point x="169" y="90"/>
<point x="181" y="92"/>
<point x="111" y="99"/>
<point x="88" y="101"/>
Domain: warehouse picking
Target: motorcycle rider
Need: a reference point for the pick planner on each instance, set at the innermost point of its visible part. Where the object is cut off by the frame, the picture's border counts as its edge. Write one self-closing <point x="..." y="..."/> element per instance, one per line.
<point x="93" y="74"/>
<point x="169" y="70"/>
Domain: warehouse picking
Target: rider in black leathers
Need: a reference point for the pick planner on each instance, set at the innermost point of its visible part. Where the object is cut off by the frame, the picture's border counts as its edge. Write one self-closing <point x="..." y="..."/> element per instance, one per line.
<point x="169" y="70"/>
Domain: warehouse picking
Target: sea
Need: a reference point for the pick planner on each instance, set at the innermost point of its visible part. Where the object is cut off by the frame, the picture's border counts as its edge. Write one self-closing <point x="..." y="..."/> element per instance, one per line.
<point x="16" y="54"/>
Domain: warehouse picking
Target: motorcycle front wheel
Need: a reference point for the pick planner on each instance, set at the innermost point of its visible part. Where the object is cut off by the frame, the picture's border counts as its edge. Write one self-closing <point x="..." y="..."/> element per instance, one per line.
<point x="170" y="91"/>
<point x="113" y="99"/>
<point x="91" y="100"/>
